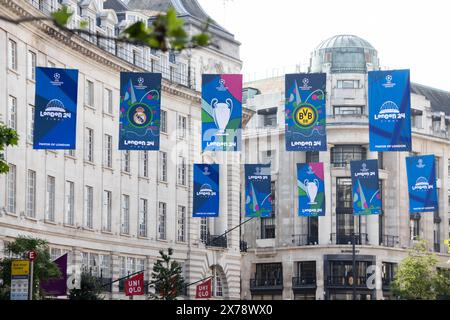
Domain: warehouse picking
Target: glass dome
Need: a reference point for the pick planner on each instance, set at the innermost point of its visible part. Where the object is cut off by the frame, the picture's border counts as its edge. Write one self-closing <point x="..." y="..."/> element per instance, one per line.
<point x="344" y="54"/>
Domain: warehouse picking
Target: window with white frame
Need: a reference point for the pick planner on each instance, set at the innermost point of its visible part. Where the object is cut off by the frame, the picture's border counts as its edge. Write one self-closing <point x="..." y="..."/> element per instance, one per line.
<point x="181" y="127"/>
<point x="88" y="206"/>
<point x="89" y="145"/>
<point x="107" y="210"/>
<point x="11" y="185"/>
<point x="108" y="101"/>
<point x="105" y="266"/>
<point x="125" y="216"/>
<point x="70" y="203"/>
<point x="12" y="56"/>
<point x="50" y="199"/>
<point x="143" y="172"/>
<point x="12" y="102"/>
<point x="163" y="166"/>
<point x="163" y="126"/>
<point x="181" y="170"/>
<point x="123" y="266"/>
<point x="348" y="84"/>
<point x="131" y="265"/>
<point x="143" y="208"/>
<point x="162" y="221"/>
<point x="31" y="194"/>
<point x="204" y="229"/>
<point x="30" y="131"/>
<point x="126" y="161"/>
<point x="108" y="145"/>
<point x="182" y="69"/>
<point x="217" y="289"/>
<point x="55" y="253"/>
<point x="141" y="265"/>
<point x="31" y="65"/>
<point x="181" y="221"/>
<point x="89" y="93"/>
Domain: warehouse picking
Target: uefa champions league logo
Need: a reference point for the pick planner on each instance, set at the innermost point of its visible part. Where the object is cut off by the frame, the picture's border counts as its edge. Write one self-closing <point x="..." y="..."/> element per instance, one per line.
<point x="221" y="86"/>
<point x="389" y="78"/>
<point x="306" y="85"/>
<point x="206" y="171"/>
<point x="140" y="84"/>
<point x="364" y="167"/>
<point x="389" y="83"/>
<point x="310" y="172"/>
<point x="140" y="81"/>
<point x="56" y="76"/>
<point x="56" y="81"/>
<point x="420" y="164"/>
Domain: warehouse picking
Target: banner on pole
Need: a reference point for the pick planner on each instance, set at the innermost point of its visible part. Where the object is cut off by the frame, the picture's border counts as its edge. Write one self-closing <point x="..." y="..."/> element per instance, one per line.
<point x="221" y="112"/>
<point x="389" y="110"/>
<point x="422" y="184"/>
<point x="366" y="187"/>
<point x="140" y="103"/>
<point x="55" y="114"/>
<point x="305" y="112"/>
<point x="203" y="290"/>
<point x="206" y="190"/>
<point x="311" y="189"/>
<point x="57" y="287"/>
<point x="134" y="286"/>
<point x="258" y="193"/>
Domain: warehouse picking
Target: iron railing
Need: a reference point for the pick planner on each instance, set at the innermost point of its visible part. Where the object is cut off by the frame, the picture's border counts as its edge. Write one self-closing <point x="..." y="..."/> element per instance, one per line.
<point x="360" y="238"/>
<point x="304" y="240"/>
<point x="266" y="284"/>
<point x="347" y="281"/>
<point x="216" y="241"/>
<point x="302" y="282"/>
<point x="389" y="241"/>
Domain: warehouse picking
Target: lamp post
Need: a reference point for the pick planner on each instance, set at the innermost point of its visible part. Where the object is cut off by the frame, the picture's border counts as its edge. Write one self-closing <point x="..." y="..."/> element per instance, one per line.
<point x="354" y="264"/>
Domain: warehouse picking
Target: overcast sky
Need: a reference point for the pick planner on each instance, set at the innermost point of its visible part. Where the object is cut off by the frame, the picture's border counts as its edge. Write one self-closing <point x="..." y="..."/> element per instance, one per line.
<point x="277" y="35"/>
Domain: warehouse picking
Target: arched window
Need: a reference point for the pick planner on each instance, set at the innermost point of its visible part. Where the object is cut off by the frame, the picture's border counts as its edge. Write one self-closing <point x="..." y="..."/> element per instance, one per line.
<point x="217" y="289"/>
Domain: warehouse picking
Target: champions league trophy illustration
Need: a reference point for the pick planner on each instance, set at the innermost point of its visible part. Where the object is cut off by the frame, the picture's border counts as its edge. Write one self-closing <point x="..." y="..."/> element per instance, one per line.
<point x="312" y="188"/>
<point x="222" y="113"/>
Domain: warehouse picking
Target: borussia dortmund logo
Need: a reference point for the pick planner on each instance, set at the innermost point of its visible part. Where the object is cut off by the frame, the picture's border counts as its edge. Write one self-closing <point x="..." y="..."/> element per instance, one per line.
<point x="305" y="116"/>
<point x="140" y="115"/>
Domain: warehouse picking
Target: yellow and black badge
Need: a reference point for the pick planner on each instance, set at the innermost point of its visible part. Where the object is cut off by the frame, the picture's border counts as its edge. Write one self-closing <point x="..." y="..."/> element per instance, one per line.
<point x="305" y="116"/>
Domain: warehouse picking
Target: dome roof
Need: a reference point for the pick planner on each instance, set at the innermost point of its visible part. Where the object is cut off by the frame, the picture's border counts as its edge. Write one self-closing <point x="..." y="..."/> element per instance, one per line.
<point x="344" y="41"/>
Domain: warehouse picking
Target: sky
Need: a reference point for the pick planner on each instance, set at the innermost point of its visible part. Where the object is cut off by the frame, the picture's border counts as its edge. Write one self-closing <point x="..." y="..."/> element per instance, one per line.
<point x="277" y="35"/>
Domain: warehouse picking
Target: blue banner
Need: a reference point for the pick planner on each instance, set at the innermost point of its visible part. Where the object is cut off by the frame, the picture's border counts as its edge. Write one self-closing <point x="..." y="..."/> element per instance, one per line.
<point x="258" y="200"/>
<point x="206" y="190"/>
<point x="389" y="110"/>
<point x="366" y="187"/>
<point x="140" y="103"/>
<point x="221" y="112"/>
<point x="305" y="112"/>
<point x="422" y="190"/>
<point x="311" y="189"/>
<point x="55" y="115"/>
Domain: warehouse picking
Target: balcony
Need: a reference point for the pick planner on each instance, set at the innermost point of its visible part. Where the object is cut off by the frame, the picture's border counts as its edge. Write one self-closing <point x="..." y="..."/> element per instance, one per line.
<point x="304" y="240"/>
<point x="389" y="241"/>
<point x="303" y="283"/>
<point x="216" y="241"/>
<point x="266" y="285"/>
<point x="347" y="282"/>
<point x="360" y="238"/>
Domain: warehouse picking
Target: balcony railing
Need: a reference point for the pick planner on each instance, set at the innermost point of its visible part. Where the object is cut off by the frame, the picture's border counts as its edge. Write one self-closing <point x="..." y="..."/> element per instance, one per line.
<point x="347" y="281"/>
<point x="259" y="284"/>
<point x="216" y="241"/>
<point x="304" y="240"/>
<point x="389" y="241"/>
<point x="360" y="238"/>
<point x="243" y="246"/>
<point x="303" y="282"/>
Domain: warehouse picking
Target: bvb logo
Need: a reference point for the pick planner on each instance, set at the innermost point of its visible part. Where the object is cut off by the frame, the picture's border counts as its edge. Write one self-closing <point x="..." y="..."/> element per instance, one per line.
<point x="139" y="115"/>
<point x="305" y="116"/>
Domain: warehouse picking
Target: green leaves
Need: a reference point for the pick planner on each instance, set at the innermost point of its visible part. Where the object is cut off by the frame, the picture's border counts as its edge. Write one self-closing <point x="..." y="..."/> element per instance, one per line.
<point x="62" y="16"/>
<point x="8" y="137"/>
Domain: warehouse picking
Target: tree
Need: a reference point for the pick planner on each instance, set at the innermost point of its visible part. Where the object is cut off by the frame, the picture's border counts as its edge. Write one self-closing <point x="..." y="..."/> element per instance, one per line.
<point x="44" y="268"/>
<point x="90" y="288"/>
<point x="8" y="137"/>
<point x="167" y="277"/>
<point x="417" y="277"/>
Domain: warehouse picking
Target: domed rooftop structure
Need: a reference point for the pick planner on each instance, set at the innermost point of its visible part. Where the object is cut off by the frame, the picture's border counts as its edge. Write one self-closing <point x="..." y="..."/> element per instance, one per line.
<point x="344" y="54"/>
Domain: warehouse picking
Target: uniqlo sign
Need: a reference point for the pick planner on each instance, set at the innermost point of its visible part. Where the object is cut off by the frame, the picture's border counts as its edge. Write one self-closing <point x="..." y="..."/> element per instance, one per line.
<point x="134" y="286"/>
<point x="203" y="290"/>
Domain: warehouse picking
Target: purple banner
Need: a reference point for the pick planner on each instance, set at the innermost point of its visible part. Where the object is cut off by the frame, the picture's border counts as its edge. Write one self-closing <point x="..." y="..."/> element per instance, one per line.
<point x="57" y="287"/>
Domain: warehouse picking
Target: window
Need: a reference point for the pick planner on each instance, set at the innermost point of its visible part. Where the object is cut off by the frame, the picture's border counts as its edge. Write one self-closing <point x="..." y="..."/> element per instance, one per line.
<point x="416" y="119"/>
<point x="31" y="68"/>
<point x="105" y="266"/>
<point x="312" y="156"/>
<point x="89" y="93"/>
<point x="107" y="210"/>
<point x="347" y="110"/>
<point x="163" y="121"/>
<point x="143" y="207"/>
<point x="88" y="206"/>
<point x="268" y="117"/>
<point x="125" y="217"/>
<point x="11" y="185"/>
<point x="107" y="161"/>
<point x="342" y="155"/>
<point x="144" y="164"/>
<point x="204" y="229"/>
<point x="163" y="166"/>
<point x="306" y="273"/>
<point x="388" y="272"/>
<point x="414" y="228"/>
<point x="12" y="58"/>
<point x="55" y="253"/>
<point x="183" y="73"/>
<point x="344" y="211"/>
<point x="348" y="84"/>
<point x="12" y="112"/>
<point x="126" y="161"/>
<point x="89" y="145"/>
<point x="141" y="265"/>
<point x="31" y="194"/>
<point x="217" y="288"/>
<point x="181" y="128"/>
<point x="437" y="167"/>
<point x="269" y="274"/>
<point x="448" y="165"/>
<point x="30" y="132"/>
<point x="181" y="170"/>
<point x="108" y="101"/>
<point x="70" y="202"/>
<point x="70" y="153"/>
<point x="181" y="221"/>
<point x="50" y="199"/>
<point x="162" y="221"/>
<point x="268" y="224"/>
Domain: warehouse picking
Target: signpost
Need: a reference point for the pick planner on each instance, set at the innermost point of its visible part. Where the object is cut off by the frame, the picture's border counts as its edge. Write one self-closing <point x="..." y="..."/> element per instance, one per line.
<point x="203" y="290"/>
<point x="134" y="286"/>
<point x="31" y="256"/>
<point x="20" y="271"/>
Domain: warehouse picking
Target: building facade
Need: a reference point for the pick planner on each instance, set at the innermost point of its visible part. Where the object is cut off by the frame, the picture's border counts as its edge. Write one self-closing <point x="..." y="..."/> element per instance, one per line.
<point x="292" y="257"/>
<point x="112" y="210"/>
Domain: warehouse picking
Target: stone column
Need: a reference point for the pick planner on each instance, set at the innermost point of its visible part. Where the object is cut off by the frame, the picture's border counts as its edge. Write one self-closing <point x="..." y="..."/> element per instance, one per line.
<point x="320" y="281"/>
<point x="115" y="274"/>
<point x="287" y="280"/>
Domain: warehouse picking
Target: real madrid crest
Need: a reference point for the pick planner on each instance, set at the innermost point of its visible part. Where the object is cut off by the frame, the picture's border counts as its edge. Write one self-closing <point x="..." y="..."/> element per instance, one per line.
<point x="140" y="115"/>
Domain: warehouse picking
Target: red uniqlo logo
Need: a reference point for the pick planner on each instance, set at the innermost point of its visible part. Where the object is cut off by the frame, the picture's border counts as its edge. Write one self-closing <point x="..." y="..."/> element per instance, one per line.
<point x="203" y="290"/>
<point x="134" y="286"/>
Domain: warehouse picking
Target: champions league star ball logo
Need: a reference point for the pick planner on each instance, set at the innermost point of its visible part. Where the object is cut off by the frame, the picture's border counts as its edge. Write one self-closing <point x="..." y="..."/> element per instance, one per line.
<point x="364" y="167"/>
<point x="389" y="83"/>
<point x="306" y="85"/>
<point x="56" y="77"/>
<point x="420" y="164"/>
